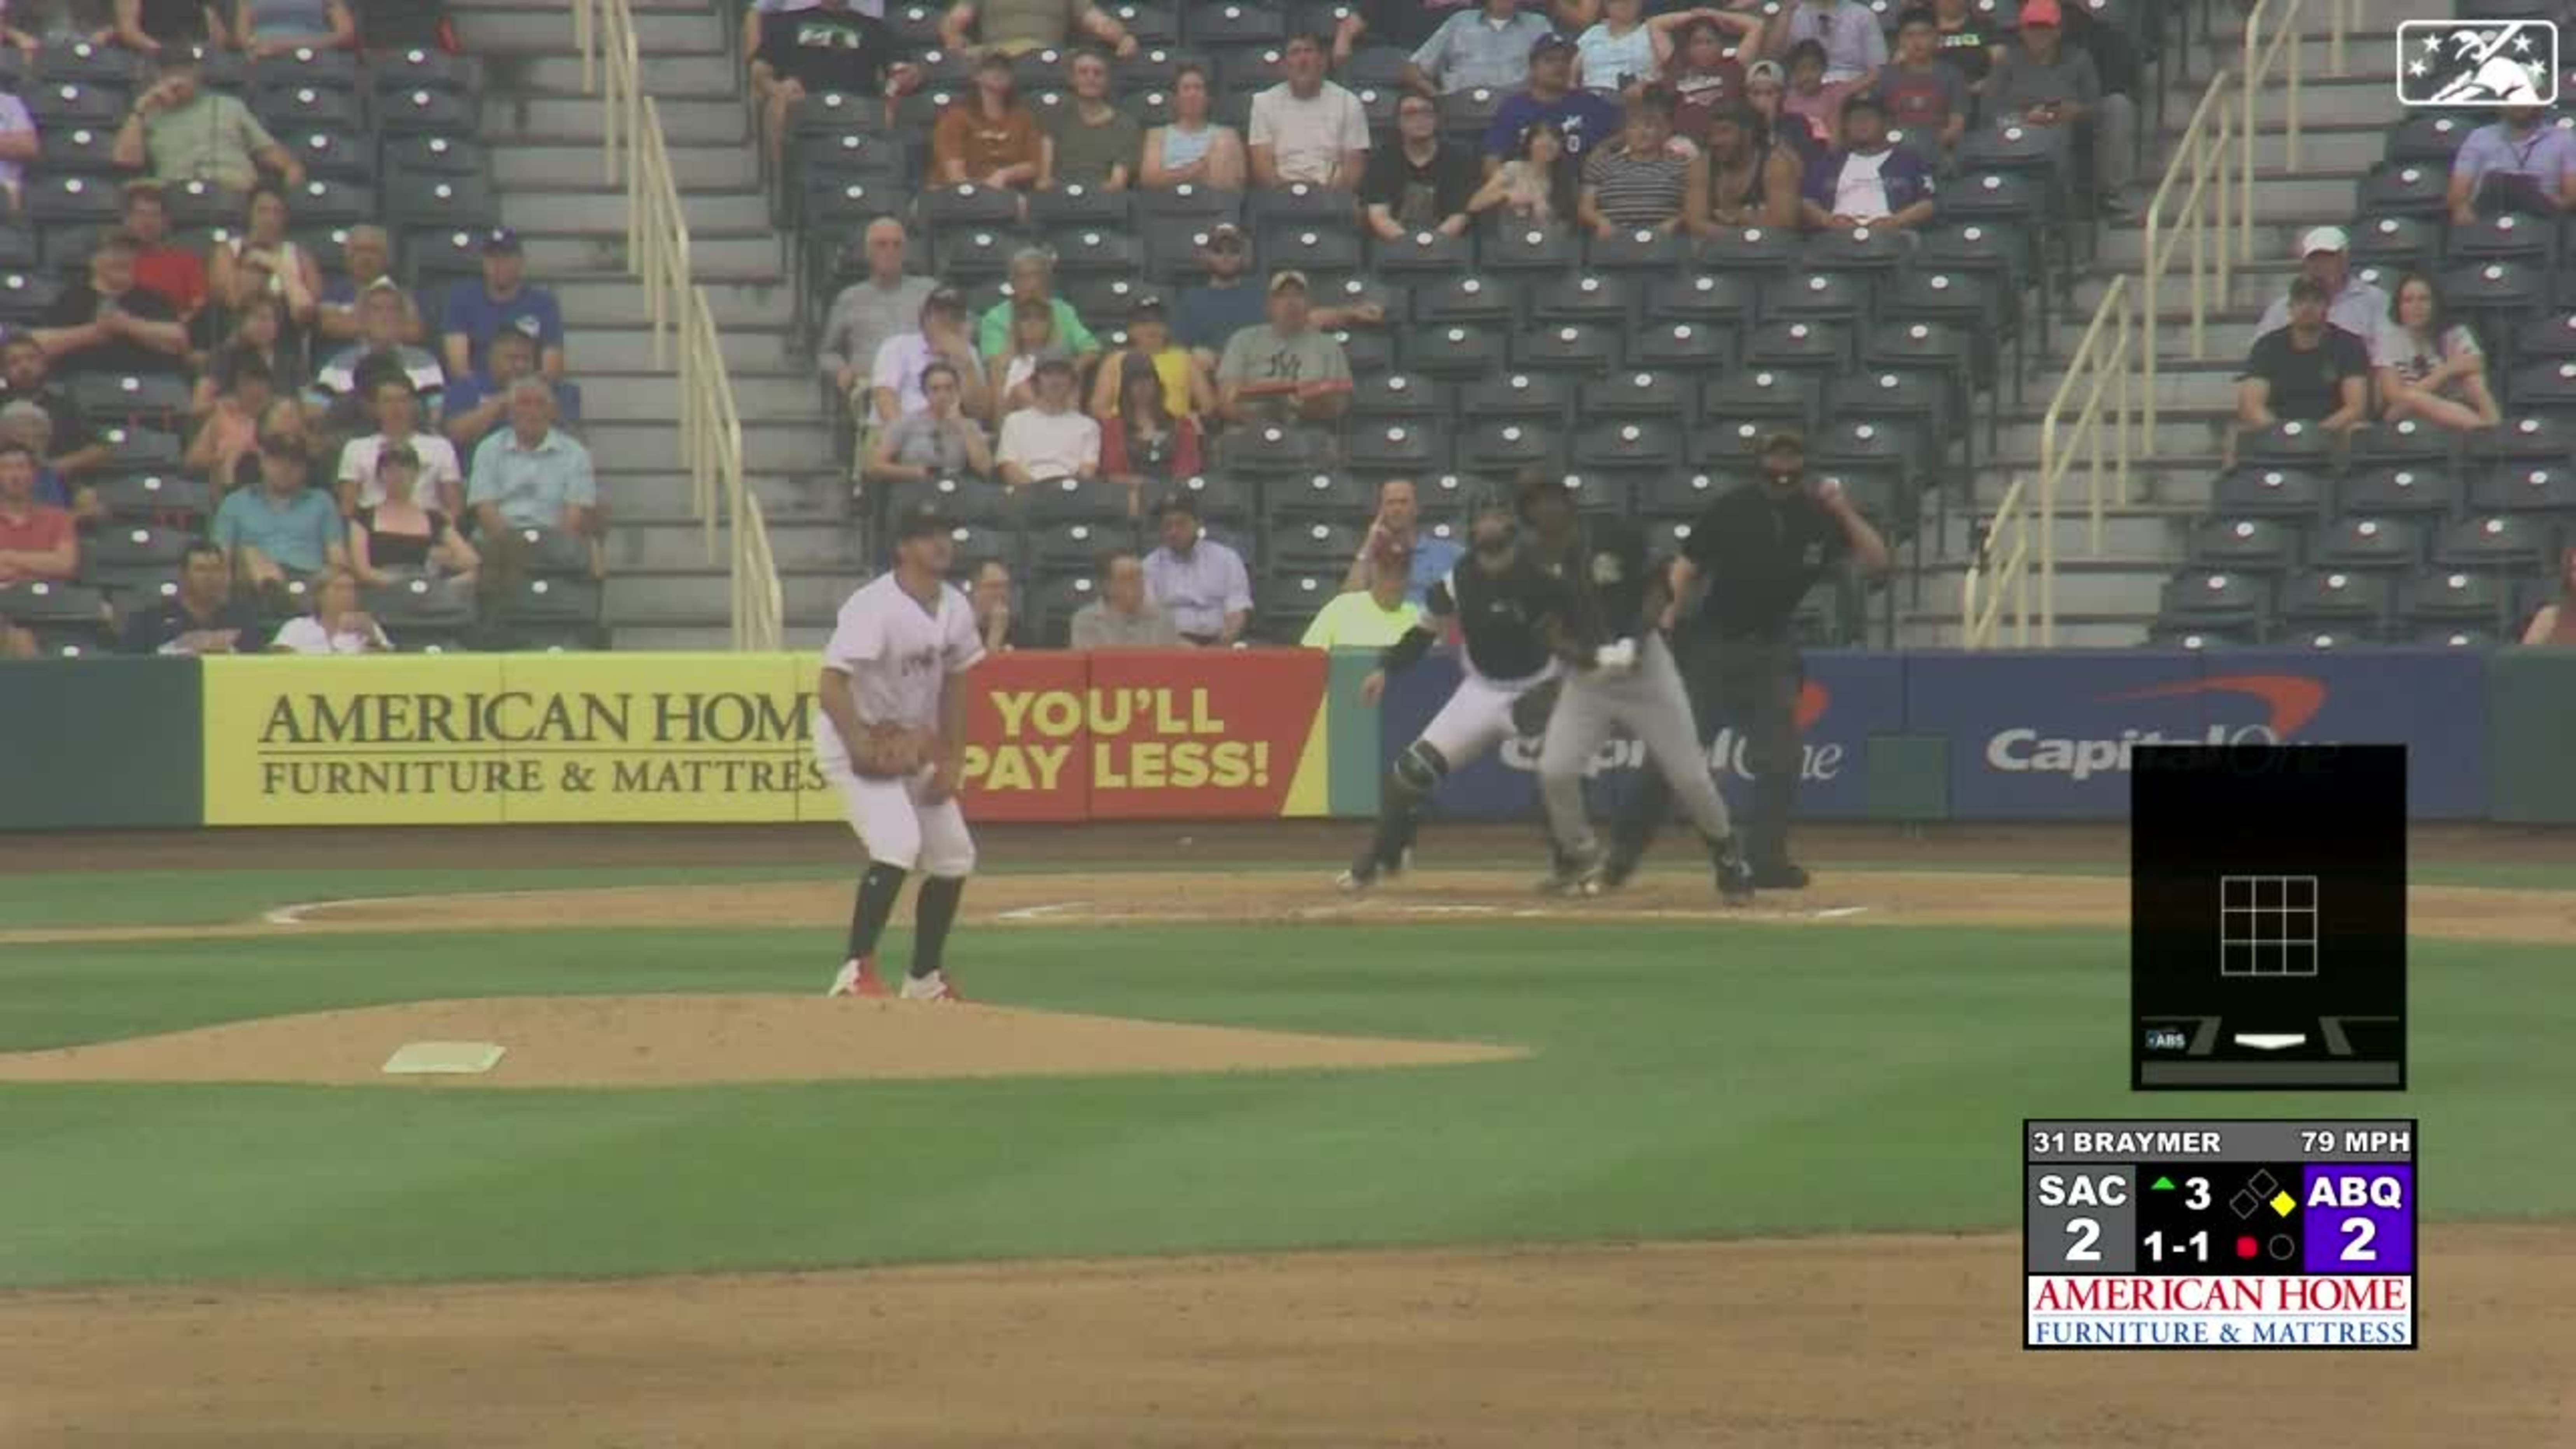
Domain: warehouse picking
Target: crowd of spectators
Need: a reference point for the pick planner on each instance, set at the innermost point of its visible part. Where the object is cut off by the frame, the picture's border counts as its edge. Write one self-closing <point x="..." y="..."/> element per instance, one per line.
<point x="1606" y="117"/>
<point x="348" y="434"/>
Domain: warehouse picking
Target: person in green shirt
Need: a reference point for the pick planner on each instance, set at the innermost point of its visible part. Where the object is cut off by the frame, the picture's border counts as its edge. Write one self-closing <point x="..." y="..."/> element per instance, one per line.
<point x="1090" y="142"/>
<point x="1033" y="275"/>
<point x="1373" y="618"/>
<point x="184" y="132"/>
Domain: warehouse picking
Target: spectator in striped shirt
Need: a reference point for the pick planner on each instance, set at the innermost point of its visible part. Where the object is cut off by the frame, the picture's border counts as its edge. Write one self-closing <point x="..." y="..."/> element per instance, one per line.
<point x="1645" y="180"/>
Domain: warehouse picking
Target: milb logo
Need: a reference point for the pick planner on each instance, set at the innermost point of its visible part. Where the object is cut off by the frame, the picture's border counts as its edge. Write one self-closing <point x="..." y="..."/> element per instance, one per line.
<point x="2289" y="701"/>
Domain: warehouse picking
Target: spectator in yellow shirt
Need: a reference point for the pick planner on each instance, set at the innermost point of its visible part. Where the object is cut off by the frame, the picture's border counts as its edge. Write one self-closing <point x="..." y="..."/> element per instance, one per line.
<point x="1371" y="618"/>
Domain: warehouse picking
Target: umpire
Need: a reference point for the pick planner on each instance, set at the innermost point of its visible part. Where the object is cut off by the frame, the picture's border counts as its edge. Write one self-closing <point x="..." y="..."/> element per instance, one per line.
<point x="1760" y="548"/>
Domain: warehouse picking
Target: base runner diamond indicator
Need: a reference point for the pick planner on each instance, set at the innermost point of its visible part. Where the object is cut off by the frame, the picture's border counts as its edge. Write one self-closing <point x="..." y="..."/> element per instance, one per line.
<point x="2285" y="1204"/>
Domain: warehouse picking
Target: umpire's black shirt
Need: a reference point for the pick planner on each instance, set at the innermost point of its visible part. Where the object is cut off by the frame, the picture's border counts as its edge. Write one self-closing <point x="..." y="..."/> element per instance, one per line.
<point x="1760" y="555"/>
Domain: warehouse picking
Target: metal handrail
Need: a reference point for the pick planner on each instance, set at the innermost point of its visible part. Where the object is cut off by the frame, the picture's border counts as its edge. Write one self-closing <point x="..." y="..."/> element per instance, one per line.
<point x="2199" y="170"/>
<point x="682" y="325"/>
<point x="1981" y="602"/>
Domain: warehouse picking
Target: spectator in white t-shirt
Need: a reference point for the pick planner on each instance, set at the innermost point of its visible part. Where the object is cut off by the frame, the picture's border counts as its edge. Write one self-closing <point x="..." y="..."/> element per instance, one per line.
<point x="397" y="409"/>
<point x="337" y="624"/>
<point x="1053" y="439"/>
<point x="1306" y="128"/>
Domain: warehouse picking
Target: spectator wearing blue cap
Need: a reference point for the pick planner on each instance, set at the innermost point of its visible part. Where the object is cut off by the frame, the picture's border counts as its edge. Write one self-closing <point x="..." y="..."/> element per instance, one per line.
<point x="1584" y="118"/>
<point x="477" y="312"/>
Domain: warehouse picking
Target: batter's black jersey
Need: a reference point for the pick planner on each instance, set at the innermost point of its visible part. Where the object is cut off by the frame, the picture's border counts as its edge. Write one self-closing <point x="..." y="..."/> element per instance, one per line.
<point x="1613" y="577"/>
<point x="1760" y="555"/>
<point x="1504" y="618"/>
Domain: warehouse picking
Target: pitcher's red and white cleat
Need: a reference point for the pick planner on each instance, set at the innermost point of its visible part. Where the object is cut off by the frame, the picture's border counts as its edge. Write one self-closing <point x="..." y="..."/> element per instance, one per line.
<point x="858" y="977"/>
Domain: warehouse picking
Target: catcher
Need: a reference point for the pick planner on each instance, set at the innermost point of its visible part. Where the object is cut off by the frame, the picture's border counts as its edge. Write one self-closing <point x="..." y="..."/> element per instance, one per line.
<point x="893" y="696"/>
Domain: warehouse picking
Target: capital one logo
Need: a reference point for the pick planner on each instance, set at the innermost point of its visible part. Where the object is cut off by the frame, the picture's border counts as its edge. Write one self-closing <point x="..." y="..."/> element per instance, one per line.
<point x="2289" y="701"/>
<point x="1728" y="753"/>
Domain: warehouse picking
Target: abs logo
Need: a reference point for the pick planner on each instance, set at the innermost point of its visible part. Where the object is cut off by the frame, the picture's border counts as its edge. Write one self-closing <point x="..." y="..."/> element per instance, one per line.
<point x="2288" y="702"/>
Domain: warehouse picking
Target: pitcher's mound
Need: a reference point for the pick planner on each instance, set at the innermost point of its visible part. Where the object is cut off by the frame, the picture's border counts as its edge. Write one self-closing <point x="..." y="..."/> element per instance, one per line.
<point x="669" y="1041"/>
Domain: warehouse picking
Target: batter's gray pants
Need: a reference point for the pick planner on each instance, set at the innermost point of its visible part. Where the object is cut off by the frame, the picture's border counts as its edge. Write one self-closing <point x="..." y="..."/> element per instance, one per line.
<point x="1648" y="702"/>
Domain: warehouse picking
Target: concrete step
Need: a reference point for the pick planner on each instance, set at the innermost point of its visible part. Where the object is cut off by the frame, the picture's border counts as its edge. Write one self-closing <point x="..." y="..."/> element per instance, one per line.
<point x="779" y="447"/>
<point x="491" y="29"/>
<point x="631" y="347"/>
<point x="620" y="302"/>
<point x="2354" y="149"/>
<point x="569" y="119"/>
<point x="681" y="548"/>
<point x="644" y="397"/>
<point x="555" y="251"/>
<point x="2178" y="482"/>
<point x="539" y="166"/>
<point x="2124" y="248"/>
<point x="2250" y="288"/>
<point x="705" y="598"/>
<point x="2127" y="534"/>
<point x="817" y="494"/>
<point x="603" y="212"/>
<point x="2359" y="100"/>
<point x="2119" y="588"/>
<point x="2114" y="633"/>
<point x="669" y="74"/>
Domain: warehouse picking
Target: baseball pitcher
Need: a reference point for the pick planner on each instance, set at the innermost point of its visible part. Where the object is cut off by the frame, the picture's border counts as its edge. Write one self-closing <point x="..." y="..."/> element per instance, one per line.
<point x="894" y="695"/>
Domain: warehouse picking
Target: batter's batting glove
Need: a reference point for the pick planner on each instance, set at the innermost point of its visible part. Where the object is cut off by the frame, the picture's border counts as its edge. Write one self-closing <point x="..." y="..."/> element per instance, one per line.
<point x="1530" y="711"/>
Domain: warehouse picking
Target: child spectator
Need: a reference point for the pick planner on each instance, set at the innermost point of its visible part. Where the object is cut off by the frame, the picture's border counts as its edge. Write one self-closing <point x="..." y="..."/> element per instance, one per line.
<point x="1051" y="438"/>
<point x="1537" y="186"/>
<point x="337" y="623"/>
<point x="1927" y="103"/>
<point x="1033" y="340"/>
<point x="939" y="441"/>
<point x="265" y="262"/>
<point x="244" y="387"/>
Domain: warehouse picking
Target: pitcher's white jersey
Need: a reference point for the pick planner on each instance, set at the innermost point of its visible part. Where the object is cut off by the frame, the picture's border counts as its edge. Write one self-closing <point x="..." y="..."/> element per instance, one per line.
<point x="899" y="653"/>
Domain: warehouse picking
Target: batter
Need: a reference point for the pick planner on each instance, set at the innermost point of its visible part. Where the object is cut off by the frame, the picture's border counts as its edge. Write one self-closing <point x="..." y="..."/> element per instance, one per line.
<point x="894" y="692"/>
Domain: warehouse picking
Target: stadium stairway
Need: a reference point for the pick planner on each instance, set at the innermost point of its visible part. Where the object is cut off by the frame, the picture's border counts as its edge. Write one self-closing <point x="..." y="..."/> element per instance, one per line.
<point x="2110" y="601"/>
<point x="545" y="135"/>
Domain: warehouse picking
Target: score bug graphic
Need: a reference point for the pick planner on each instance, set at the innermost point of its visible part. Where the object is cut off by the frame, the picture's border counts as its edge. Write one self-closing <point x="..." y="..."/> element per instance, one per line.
<point x="2219" y="1234"/>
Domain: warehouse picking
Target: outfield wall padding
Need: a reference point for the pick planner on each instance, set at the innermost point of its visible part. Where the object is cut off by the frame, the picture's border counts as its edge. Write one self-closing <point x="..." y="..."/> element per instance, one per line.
<point x="100" y="743"/>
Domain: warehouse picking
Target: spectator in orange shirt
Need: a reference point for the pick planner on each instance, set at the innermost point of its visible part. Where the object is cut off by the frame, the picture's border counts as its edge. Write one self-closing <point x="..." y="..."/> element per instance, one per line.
<point x="176" y="273"/>
<point x="988" y="138"/>
<point x="36" y="539"/>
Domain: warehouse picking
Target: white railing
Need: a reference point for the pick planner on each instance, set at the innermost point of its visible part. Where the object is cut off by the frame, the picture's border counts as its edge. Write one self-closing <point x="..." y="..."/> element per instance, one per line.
<point x="2190" y="227"/>
<point x="2089" y="414"/>
<point x="683" y="328"/>
<point x="2196" y="189"/>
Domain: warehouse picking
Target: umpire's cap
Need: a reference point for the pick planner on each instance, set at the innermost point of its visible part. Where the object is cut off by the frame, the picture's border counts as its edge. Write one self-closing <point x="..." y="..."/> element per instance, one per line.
<point x="921" y="520"/>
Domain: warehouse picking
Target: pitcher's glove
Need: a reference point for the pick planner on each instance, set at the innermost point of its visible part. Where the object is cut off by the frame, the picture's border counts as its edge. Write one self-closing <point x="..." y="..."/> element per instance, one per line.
<point x="891" y="752"/>
<point x="1530" y="711"/>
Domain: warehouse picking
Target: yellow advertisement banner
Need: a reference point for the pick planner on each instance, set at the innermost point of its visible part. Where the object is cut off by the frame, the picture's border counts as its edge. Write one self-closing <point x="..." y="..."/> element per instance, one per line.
<point x="492" y="739"/>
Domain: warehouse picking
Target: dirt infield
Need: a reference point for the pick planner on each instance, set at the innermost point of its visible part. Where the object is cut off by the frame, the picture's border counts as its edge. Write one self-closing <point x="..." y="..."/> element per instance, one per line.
<point x="1852" y="898"/>
<point x="1828" y="1344"/>
<point x="668" y="1041"/>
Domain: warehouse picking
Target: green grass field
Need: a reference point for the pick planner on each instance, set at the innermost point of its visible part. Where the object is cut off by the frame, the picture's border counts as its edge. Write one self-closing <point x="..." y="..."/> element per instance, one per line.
<point x="1688" y="1081"/>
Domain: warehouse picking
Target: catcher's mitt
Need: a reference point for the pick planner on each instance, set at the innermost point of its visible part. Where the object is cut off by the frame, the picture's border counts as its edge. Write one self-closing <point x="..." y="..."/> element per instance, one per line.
<point x="891" y="751"/>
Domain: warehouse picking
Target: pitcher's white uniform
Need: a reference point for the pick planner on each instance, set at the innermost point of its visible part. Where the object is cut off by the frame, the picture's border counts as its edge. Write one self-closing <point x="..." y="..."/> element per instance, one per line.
<point x="899" y="656"/>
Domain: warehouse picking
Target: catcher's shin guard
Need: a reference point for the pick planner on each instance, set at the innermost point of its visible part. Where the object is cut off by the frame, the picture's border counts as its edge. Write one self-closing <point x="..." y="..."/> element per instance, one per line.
<point x="1409" y="783"/>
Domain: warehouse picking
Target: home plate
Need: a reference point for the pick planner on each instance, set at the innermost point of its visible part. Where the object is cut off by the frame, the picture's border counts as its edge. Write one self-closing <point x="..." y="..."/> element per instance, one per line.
<point x="444" y="1059"/>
